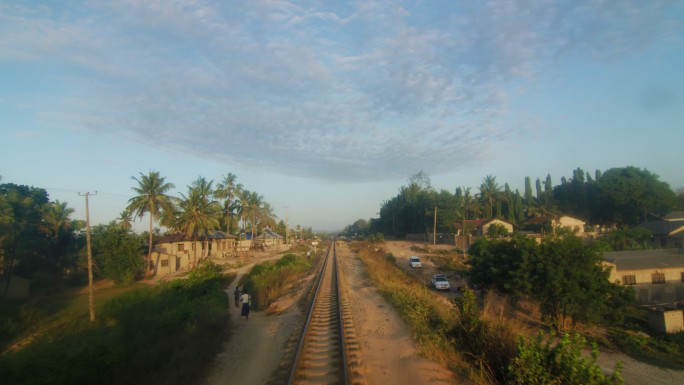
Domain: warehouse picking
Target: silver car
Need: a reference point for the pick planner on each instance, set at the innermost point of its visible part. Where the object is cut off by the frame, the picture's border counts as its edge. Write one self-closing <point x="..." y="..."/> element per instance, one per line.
<point x="440" y="282"/>
<point x="414" y="262"/>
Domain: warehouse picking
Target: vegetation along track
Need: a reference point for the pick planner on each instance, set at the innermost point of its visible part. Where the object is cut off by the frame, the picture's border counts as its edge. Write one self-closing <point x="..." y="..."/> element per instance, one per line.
<point x="328" y="351"/>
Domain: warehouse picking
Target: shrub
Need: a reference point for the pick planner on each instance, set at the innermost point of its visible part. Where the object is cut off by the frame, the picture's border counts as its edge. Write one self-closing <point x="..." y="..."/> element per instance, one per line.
<point x="162" y="334"/>
<point x="558" y="362"/>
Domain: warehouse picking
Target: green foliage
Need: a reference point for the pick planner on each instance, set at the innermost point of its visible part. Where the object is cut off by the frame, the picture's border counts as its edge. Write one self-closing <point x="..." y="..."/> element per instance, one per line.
<point x="545" y="360"/>
<point x="626" y="195"/>
<point x="496" y="230"/>
<point x="117" y="252"/>
<point x="162" y="334"/>
<point x="268" y="281"/>
<point x="376" y="238"/>
<point x="665" y="350"/>
<point x="627" y="238"/>
<point x="565" y="277"/>
<point x="489" y="346"/>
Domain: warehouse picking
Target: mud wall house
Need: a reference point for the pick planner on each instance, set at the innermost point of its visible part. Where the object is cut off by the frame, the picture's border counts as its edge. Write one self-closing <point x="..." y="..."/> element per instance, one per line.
<point x="480" y="227"/>
<point x="268" y="238"/>
<point x="657" y="276"/>
<point x="174" y="252"/>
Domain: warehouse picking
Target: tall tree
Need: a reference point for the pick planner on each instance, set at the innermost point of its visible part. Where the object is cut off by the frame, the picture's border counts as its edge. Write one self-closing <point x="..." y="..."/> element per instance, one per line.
<point x="125" y="220"/>
<point x="627" y="195"/>
<point x="490" y="192"/>
<point x="199" y="214"/>
<point x="255" y="202"/>
<point x="228" y="190"/>
<point x="59" y="228"/>
<point x="528" y="191"/>
<point x="152" y="200"/>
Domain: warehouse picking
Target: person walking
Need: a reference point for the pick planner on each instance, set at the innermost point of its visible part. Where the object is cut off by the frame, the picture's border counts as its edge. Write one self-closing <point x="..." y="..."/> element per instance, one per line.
<point x="246" y="303"/>
<point x="236" y="293"/>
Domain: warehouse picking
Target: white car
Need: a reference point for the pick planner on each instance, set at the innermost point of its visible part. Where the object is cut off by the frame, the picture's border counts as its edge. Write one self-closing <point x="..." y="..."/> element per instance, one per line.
<point x="440" y="282"/>
<point x="414" y="262"/>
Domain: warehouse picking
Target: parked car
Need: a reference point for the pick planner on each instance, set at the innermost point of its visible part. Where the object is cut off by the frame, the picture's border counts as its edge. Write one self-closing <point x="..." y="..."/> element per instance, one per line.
<point x="439" y="282"/>
<point x="414" y="262"/>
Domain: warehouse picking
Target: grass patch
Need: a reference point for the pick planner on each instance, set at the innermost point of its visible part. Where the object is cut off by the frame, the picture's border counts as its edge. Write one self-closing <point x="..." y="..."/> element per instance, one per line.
<point x="165" y="333"/>
<point x="268" y="281"/>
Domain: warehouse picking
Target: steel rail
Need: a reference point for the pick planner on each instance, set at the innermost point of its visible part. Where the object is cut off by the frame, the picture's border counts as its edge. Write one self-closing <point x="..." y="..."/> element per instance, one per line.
<point x="302" y="340"/>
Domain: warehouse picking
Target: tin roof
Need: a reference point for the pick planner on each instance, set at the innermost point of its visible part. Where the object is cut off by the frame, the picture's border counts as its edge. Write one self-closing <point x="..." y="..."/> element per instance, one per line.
<point x="645" y="259"/>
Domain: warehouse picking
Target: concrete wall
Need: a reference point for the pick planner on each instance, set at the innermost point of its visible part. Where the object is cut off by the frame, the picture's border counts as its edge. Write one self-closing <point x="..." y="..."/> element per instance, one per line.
<point x="666" y="321"/>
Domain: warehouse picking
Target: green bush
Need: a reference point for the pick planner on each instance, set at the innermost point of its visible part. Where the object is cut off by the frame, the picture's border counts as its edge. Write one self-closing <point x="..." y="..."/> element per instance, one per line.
<point x="161" y="334"/>
<point x="546" y="360"/>
<point x="267" y="281"/>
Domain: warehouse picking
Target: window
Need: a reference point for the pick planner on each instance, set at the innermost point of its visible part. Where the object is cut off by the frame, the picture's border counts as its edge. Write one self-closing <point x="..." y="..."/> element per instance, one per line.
<point x="181" y="247"/>
<point x="164" y="263"/>
<point x="629" y="279"/>
<point x="657" y="278"/>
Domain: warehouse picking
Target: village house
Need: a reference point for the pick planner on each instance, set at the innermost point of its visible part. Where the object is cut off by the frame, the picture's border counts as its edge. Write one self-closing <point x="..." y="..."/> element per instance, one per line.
<point x="574" y="225"/>
<point x="480" y="227"/>
<point x="657" y="276"/>
<point x="174" y="252"/>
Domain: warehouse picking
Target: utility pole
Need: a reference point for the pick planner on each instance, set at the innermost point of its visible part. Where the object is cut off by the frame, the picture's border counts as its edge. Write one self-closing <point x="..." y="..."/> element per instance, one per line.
<point x="90" y="258"/>
<point x="286" y="228"/>
<point x="434" y="229"/>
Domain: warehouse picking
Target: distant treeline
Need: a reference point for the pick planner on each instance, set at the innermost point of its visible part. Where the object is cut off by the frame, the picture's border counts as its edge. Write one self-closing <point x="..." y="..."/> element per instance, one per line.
<point x="623" y="196"/>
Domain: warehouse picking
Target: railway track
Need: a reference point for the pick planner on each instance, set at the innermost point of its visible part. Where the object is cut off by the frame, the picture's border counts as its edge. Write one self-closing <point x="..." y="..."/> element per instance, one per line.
<point x="328" y="351"/>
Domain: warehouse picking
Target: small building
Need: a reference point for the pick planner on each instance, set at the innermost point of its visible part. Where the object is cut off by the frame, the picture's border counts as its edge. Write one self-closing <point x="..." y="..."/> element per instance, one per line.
<point x="665" y="320"/>
<point x="656" y="275"/>
<point x="268" y="238"/>
<point x="574" y="225"/>
<point x="174" y="252"/>
<point x="480" y="227"/>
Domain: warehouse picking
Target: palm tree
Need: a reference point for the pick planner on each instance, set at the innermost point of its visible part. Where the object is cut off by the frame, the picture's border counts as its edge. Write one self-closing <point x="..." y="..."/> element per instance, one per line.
<point x="58" y="227"/>
<point x="125" y="220"/>
<point x="152" y="200"/>
<point x="268" y="217"/>
<point x="199" y="214"/>
<point x="228" y="190"/>
<point x="255" y="201"/>
<point x="490" y="192"/>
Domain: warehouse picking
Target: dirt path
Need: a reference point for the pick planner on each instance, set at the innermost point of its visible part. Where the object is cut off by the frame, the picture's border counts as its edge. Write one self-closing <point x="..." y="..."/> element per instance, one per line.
<point x="256" y="345"/>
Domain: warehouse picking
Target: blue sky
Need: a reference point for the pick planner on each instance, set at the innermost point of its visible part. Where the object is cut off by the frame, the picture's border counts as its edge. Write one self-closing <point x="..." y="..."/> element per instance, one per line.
<point x="329" y="107"/>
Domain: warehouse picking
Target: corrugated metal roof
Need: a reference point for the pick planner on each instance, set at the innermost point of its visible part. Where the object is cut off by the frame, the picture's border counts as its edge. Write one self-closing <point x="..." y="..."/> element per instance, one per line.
<point x="645" y="259"/>
<point x="664" y="227"/>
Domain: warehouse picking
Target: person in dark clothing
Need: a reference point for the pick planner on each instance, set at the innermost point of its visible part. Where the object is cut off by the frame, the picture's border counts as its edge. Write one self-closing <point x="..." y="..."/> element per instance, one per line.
<point x="246" y="303"/>
<point x="236" y="293"/>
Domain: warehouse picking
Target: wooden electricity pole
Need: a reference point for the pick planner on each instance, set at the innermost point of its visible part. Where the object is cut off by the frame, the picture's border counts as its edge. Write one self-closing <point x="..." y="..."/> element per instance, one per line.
<point x="286" y="228"/>
<point x="90" y="259"/>
<point x="434" y="229"/>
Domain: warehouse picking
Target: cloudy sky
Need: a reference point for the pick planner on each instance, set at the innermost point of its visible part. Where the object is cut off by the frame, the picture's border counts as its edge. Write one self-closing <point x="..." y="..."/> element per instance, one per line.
<point x="329" y="107"/>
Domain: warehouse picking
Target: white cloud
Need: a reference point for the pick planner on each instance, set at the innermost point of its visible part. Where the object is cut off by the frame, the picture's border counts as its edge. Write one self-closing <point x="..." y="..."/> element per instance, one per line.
<point x="355" y="91"/>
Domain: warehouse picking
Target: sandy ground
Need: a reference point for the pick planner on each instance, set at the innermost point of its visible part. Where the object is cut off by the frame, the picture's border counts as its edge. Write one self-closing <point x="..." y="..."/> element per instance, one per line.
<point x="633" y="372"/>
